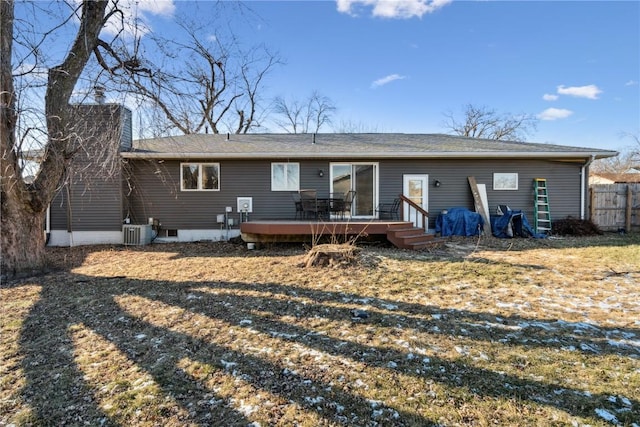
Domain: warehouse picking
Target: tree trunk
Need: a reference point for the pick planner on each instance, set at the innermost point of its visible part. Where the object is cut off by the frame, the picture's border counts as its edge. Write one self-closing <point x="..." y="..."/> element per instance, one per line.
<point x="22" y="239"/>
<point x="24" y="204"/>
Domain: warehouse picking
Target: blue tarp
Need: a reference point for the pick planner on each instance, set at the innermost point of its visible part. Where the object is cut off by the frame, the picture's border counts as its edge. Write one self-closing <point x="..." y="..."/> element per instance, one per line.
<point x="459" y="222"/>
<point x="513" y="223"/>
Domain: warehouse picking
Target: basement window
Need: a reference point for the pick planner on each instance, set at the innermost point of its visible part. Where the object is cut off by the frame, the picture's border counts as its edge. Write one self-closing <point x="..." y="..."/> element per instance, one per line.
<point x="505" y="181"/>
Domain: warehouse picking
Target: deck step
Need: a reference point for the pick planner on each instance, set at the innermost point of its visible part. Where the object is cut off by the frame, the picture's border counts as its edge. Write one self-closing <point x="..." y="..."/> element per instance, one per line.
<point x="413" y="238"/>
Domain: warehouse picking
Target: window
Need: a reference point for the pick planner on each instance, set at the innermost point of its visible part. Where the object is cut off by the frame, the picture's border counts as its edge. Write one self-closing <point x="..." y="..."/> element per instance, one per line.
<point x="285" y="176"/>
<point x="200" y="176"/>
<point x="505" y="181"/>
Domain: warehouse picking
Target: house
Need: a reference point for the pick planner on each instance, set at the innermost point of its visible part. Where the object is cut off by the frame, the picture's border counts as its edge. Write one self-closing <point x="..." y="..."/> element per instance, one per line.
<point x="631" y="176"/>
<point x="200" y="187"/>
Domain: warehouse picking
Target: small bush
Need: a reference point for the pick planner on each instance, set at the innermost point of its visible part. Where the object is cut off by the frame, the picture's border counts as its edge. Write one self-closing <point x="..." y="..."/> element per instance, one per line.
<point x="571" y="226"/>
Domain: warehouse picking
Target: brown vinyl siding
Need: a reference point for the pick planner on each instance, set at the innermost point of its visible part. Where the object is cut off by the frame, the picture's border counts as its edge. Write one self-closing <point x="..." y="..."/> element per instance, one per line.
<point x="156" y="188"/>
<point x="94" y="194"/>
<point x="563" y="180"/>
<point x="94" y="209"/>
<point x="156" y="193"/>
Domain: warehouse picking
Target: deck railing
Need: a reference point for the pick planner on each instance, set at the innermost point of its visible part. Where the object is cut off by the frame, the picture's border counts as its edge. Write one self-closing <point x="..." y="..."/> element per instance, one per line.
<point x="415" y="207"/>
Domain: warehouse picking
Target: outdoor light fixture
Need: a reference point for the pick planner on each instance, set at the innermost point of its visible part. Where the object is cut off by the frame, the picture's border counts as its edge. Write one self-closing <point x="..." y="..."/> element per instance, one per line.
<point x="437" y="183"/>
<point x="320" y="173"/>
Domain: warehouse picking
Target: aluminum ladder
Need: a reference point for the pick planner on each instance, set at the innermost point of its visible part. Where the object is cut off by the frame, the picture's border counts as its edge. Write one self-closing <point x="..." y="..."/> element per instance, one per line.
<point x="542" y="214"/>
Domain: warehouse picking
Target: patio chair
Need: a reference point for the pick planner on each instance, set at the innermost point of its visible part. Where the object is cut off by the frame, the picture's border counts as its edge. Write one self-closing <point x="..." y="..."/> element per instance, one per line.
<point x="348" y="201"/>
<point x="336" y="204"/>
<point x="389" y="210"/>
<point x="297" y="201"/>
<point x="309" y="202"/>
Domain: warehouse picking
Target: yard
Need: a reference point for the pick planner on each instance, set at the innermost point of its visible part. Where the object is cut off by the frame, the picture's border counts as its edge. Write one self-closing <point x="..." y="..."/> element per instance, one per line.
<point x="477" y="332"/>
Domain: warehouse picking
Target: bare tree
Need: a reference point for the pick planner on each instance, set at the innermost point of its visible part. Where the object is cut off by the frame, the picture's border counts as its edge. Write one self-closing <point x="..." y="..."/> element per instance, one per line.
<point x="60" y="129"/>
<point x="634" y="149"/>
<point x="303" y="116"/>
<point x="350" y="126"/>
<point x="483" y="122"/>
<point x="201" y="84"/>
<point x="629" y="158"/>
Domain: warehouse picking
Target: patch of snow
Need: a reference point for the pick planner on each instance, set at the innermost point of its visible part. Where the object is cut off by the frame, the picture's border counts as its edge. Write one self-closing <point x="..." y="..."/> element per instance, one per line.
<point x="227" y="365"/>
<point x="606" y="415"/>
<point x="462" y="350"/>
<point x="193" y="296"/>
<point x="390" y="307"/>
<point x="624" y="343"/>
<point x="374" y="403"/>
<point x="491" y="325"/>
<point x="578" y="326"/>
<point x="314" y="400"/>
<point x="542" y="325"/>
<point x="140" y="336"/>
<point x="377" y="413"/>
<point x="589" y="347"/>
<point x="246" y="322"/>
<point x="392" y="364"/>
<point x="277" y="334"/>
<point x="246" y="410"/>
<point x="359" y="383"/>
<point x="436" y="316"/>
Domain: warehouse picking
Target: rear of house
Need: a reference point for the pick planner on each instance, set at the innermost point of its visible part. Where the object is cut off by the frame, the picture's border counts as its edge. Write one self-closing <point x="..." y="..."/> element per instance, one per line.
<point x="200" y="187"/>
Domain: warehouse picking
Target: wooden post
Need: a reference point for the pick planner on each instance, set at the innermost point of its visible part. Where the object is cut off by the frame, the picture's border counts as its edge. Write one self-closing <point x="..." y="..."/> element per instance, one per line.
<point x="592" y="204"/>
<point x="627" y="214"/>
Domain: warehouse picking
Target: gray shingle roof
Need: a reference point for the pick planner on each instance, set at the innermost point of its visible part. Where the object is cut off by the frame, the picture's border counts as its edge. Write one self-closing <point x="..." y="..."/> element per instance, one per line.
<point x="359" y="146"/>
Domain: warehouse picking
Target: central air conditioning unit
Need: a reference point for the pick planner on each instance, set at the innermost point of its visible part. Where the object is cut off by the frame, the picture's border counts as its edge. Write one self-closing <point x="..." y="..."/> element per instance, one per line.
<point x="245" y="204"/>
<point x="136" y="234"/>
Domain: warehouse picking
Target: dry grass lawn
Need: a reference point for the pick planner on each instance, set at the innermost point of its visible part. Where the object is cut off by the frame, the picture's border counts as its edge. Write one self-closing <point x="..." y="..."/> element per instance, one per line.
<point x="478" y="332"/>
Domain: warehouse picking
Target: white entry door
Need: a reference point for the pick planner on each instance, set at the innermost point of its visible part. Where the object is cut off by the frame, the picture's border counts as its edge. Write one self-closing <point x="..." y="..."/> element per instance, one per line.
<point x="415" y="188"/>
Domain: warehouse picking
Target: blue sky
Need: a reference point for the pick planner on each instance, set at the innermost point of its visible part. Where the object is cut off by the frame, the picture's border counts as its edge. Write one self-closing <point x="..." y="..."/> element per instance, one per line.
<point x="398" y="66"/>
<point x="575" y="65"/>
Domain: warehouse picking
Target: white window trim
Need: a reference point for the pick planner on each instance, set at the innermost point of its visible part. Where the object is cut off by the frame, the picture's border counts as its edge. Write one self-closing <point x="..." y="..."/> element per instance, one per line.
<point x="501" y="181"/>
<point x="285" y="188"/>
<point x="200" y="167"/>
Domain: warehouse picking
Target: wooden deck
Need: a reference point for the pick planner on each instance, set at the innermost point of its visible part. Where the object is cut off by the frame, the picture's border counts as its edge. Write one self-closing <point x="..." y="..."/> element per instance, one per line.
<point x="301" y="231"/>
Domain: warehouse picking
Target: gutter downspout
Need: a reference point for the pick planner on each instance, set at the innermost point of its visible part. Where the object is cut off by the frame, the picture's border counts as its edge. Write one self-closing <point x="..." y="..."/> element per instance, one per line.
<point x="583" y="184"/>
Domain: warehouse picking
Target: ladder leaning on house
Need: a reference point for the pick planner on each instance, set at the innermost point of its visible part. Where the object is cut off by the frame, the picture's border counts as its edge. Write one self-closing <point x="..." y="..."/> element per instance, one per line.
<point x="542" y="214"/>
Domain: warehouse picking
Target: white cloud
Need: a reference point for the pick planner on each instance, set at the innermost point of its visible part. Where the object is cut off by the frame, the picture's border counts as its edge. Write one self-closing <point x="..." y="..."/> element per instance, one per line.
<point x="136" y="14"/>
<point x="157" y="7"/>
<point x="387" y="79"/>
<point x="554" y="114"/>
<point x="589" y="91"/>
<point x="631" y="83"/>
<point x="550" y="97"/>
<point x="401" y="9"/>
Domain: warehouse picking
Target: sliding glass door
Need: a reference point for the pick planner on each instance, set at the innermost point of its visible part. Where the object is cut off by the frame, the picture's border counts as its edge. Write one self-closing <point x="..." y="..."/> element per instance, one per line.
<point x="360" y="177"/>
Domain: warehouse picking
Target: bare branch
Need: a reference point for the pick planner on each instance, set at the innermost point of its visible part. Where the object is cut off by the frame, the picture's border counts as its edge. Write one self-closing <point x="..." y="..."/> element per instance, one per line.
<point x="482" y="122"/>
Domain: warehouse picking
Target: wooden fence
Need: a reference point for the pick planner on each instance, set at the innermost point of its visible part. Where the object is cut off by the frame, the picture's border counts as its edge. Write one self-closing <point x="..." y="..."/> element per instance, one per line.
<point x="615" y="206"/>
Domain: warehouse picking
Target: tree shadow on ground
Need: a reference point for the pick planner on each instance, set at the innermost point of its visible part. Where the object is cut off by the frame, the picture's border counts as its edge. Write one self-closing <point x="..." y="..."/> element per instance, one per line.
<point x="158" y="326"/>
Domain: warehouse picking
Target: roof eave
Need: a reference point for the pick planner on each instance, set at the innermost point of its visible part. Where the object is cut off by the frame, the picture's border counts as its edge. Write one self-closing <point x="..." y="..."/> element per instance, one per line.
<point x="383" y="155"/>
